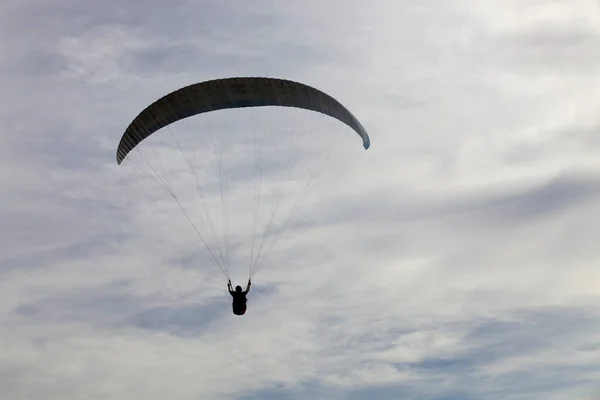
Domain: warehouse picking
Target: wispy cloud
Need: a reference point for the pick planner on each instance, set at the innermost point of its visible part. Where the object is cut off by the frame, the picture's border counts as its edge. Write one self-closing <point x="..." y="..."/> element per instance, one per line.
<point x="457" y="259"/>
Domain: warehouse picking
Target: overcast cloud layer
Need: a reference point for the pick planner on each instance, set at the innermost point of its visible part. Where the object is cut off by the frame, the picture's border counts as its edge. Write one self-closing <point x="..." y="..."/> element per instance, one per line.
<point x="459" y="259"/>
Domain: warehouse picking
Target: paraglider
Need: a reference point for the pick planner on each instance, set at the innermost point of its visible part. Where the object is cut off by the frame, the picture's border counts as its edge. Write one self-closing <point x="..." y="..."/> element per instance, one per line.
<point x="239" y="298"/>
<point x="237" y="93"/>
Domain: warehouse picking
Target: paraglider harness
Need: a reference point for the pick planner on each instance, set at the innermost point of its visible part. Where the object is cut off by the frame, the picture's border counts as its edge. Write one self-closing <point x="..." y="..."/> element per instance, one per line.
<point x="239" y="298"/>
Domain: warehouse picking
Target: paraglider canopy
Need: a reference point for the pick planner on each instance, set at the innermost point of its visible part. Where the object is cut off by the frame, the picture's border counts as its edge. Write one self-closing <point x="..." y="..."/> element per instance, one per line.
<point x="234" y="184"/>
<point x="225" y="93"/>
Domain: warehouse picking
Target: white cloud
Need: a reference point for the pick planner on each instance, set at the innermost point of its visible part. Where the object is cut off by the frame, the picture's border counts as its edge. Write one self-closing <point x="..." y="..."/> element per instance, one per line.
<point x="458" y="257"/>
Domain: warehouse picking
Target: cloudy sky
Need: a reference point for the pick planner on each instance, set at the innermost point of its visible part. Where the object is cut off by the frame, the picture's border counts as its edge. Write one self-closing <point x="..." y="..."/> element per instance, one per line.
<point x="458" y="259"/>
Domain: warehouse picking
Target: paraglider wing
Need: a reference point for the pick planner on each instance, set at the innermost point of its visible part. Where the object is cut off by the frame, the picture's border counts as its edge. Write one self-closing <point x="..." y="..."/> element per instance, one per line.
<point x="232" y="93"/>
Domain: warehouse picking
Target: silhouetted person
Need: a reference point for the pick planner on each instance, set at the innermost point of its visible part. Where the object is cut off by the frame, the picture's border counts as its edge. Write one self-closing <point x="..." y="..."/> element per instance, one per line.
<point x="239" y="298"/>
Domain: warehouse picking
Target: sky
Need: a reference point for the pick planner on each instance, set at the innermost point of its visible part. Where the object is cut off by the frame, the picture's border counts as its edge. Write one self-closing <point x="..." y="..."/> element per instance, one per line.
<point x="458" y="258"/>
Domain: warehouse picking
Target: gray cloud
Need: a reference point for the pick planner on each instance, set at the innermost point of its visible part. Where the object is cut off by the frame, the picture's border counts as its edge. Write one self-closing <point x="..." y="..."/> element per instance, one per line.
<point x="456" y="260"/>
